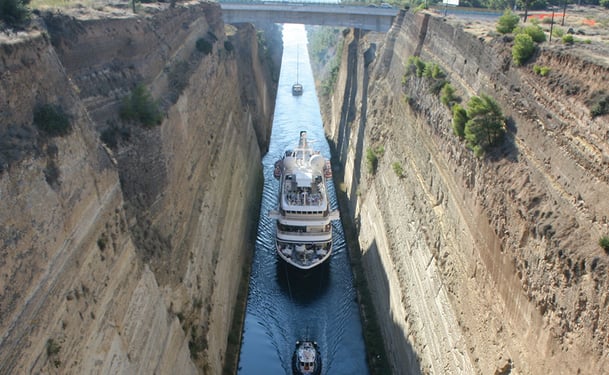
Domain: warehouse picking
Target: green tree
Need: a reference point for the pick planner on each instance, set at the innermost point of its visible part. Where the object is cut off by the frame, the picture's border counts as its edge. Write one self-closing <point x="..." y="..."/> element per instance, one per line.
<point x="205" y="46"/>
<point x="397" y="168"/>
<point x="447" y="95"/>
<point x="485" y="126"/>
<point x="523" y="48"/>
<point x="604" y="3"/>
<point x="604" y="243"/>
<point x="534" y="31"/>
<point x="14" y="12"/>
<point x="141" y="107"/>
<point x="459" y="120"/>
<point x="507" y="22"/>
<point x="568" y="39"/>
<point x="52" y="120"/>
<point x="372" y="161"/>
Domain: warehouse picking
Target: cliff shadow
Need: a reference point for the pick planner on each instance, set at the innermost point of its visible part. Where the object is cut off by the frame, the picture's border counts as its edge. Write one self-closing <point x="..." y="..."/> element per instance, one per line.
<point x="398" y="350"/>
<point x="348" y="108"/>
<point x="359" y="145"/>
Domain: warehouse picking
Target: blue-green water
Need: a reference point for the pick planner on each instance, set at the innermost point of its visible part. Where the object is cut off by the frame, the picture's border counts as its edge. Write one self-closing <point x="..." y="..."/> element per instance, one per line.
<point x="283" y="306"/>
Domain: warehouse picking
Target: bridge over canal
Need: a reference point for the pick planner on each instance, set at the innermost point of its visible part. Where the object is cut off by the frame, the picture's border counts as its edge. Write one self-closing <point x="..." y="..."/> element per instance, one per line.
<point x="324" y="14"/>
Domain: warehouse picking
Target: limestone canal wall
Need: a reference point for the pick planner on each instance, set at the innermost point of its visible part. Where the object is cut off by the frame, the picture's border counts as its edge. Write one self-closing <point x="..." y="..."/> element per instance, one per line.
<point x="122" y="247"/>
<point x="477" y="265"/>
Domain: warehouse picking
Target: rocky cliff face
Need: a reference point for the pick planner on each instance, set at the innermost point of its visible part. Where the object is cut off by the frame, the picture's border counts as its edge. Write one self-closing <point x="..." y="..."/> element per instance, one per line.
<point x="127" y="257"/>
<point x="479" y="265"/>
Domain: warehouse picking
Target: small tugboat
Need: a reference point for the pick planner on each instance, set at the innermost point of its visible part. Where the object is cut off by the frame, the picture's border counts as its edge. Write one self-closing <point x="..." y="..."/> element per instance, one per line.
<point x="306" y="359"/>
<point x="297" y="87"/>
<point x="303" y="225"/>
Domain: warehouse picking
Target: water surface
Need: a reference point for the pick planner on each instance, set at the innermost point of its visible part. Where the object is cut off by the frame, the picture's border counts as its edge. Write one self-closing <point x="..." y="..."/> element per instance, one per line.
<point x="284" y="306"/>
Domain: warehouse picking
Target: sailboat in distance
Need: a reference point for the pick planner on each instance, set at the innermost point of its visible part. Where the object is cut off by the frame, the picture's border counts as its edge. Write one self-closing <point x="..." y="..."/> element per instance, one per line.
<point x="297" y="87"/>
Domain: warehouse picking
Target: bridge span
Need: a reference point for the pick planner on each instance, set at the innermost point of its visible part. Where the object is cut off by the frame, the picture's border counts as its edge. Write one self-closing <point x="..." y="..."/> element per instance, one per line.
<point x="362" y="17"/>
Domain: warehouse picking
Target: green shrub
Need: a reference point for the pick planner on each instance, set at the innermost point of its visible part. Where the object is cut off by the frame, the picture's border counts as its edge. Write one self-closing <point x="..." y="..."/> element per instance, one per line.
<point x="587" y="41"/>
<point x="507" y="22"/>
<point x="204" y="46"/>
<point x="14" y="12"/>
<point x="141" y="107"/>
<point x="598" y="103"/>
<point x="459" y="120"/>
<point x="420" y="7"/>
<point x="53" y="347"/>
<point x="52" y="173"/>
<point x="415" y="63"/>
<point x="447" y="95"/>
<point x="604" y="3"/>
<point x="523" y="48"/>
<point x="228" y="46"/>
<point x="546" y="20"/>
<point x="372" y="156"/>
<point x="372" y="161"/>
<point x="437" y="72"/>
<point x="535" y="31"/>
<point x="397" y="168"/>
<point x="52" y="120"/>
<point x="604" y="243"/>
<point x="558" y="32"/>
<point x="102" y="242"/>
<point x="427" y="69"/>
<point x="485" y="125"/>
<point x="568" y="39"/>
<point x="320" y="44"/>
<point x="436" y="85"/>
<point x="432" y="70"/>
<point x="541" y="70"/>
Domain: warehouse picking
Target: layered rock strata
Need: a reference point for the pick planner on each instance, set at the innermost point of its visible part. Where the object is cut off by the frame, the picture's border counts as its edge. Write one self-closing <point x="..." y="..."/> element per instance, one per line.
<point x="127" y="256"/>
<point x="478" y="265"/>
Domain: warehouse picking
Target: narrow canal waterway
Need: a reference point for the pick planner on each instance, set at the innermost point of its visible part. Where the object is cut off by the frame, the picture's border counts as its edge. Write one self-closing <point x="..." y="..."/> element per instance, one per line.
<point x="283" y="307"/>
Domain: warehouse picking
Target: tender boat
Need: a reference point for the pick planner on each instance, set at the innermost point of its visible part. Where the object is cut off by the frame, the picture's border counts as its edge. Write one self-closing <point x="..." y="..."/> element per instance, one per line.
<point x="297" y="87"/>
<point x="303" y="220"/>
<point x="306" y="359"/>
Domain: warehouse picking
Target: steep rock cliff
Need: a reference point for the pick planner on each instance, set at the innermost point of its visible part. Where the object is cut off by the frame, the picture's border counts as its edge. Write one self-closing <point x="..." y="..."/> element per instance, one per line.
<point x="478" y="265"/>
<point x="127" y="257"/>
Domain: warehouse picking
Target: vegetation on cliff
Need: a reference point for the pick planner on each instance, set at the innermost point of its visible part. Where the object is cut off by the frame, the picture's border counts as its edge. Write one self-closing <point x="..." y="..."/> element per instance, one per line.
<point x="482" y="125"/>
<point x="372" y="158"/>
<point x="140" y="107"/>
<point x="485" y="126"/>
<point x="52" y="120"/>
<point x="604" y="243"/>
<point x="14" y="12"/>
<point x="523" y="48"/>
<point x="325" y="48"/>
<point x="459" y="120"/>
<point x="507" y="22"/>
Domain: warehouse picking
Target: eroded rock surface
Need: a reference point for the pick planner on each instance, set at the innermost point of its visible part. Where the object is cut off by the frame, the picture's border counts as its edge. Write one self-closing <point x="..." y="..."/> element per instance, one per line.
<point x="126" y="256"/>
<point x="478" y="265"/>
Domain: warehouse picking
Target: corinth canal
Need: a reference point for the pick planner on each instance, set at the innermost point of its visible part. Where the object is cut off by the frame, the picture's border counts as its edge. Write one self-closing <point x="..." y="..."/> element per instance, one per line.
<point x="282" y="306"/>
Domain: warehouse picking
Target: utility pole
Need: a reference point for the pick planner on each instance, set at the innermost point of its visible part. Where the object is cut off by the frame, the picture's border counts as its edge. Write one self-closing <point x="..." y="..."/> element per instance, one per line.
<point x="526" y="10"/>
<point x="551" y="26"/>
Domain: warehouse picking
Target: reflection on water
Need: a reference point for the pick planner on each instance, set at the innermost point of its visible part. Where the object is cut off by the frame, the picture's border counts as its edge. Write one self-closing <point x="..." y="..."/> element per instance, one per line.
<point x="284" y="306"/>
